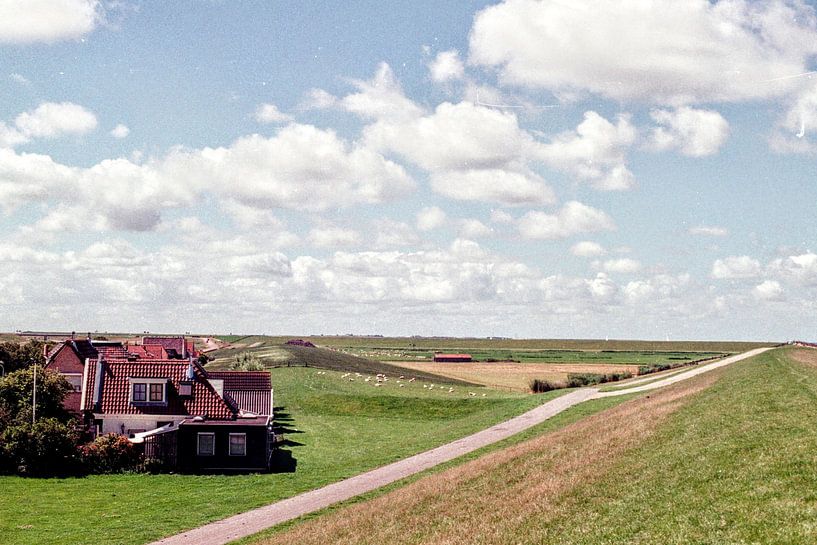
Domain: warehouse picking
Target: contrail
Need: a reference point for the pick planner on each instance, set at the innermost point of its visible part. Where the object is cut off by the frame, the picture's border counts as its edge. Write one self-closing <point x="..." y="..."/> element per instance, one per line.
<point x="789" y="77"/>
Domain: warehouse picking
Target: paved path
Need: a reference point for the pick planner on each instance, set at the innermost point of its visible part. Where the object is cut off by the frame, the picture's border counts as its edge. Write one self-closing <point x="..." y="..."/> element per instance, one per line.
<point x="251" y="522"/>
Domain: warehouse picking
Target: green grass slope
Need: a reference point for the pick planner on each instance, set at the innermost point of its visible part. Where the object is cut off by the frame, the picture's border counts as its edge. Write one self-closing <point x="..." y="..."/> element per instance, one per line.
<point x="272" y="354"/>
<point x="726" y="457"/>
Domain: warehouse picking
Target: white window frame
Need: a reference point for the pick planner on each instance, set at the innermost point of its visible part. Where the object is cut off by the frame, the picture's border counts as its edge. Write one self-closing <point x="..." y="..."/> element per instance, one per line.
<point x="230" y="444"/>
<point x="147" y="382"/>
<point x="77" y="377"/>
<point x="198" y="443"/>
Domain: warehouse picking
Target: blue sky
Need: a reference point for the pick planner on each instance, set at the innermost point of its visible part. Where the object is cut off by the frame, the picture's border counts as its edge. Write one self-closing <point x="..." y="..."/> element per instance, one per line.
<point x="516" y="168"/>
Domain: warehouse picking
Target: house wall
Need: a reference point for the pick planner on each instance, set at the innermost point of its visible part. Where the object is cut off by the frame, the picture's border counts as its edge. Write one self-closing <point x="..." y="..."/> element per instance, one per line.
<point x="112" y="423"/>
<point x="66" y="361"/>
<point x="190" y="461"/>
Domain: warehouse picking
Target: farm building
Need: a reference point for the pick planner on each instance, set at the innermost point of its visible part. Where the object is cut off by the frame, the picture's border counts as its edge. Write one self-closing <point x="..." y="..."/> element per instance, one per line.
<point x="186" y="418"/>
<point x="453" y="358"/>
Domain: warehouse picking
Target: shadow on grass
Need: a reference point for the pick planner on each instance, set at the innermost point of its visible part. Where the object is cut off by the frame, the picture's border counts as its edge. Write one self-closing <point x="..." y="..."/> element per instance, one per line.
<point x="282" y="461"/>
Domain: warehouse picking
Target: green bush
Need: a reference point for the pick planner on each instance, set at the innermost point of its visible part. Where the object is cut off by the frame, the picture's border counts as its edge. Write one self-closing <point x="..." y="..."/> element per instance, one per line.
<point x="540" y="386"/>
<point x="577" y="380"/>
<point x="110" y="453"/>
<point x="47" y="448"/>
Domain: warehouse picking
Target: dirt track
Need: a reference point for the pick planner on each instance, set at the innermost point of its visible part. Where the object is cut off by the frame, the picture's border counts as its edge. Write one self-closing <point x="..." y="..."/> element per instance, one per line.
<point x="251" y="522"/>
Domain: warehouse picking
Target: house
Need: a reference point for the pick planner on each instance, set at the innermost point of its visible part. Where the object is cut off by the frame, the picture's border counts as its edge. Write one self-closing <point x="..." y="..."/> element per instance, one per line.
<point x="452" y="358"/>
<point x="185" y="417"/>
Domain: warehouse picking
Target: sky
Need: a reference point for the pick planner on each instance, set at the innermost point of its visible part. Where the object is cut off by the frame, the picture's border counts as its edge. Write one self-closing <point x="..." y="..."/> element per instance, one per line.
<point x="548" y="169"/>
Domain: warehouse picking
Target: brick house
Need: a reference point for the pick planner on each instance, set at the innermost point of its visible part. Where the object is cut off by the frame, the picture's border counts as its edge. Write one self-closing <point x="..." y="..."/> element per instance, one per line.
<point x="191" y="419"/>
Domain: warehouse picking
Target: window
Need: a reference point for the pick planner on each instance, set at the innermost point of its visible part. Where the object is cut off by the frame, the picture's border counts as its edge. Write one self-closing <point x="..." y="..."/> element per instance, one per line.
<point x="238" y="444"/>
<point x="206" y="444"/>
<point x="75" y="380"/>
<point x="185" y="388"/>
<point x="140" y="390"/>
<point x="157" y="392"/>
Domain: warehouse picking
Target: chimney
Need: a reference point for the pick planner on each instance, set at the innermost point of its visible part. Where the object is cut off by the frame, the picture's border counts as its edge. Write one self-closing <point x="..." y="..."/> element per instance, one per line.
<point x="98" y="383"/>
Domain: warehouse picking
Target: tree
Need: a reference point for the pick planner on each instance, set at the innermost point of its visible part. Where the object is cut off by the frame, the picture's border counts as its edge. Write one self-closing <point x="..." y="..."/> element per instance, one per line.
<point x="47" y="447"/>
<point x="20" y="355"/>
<point x="16" y="391"/>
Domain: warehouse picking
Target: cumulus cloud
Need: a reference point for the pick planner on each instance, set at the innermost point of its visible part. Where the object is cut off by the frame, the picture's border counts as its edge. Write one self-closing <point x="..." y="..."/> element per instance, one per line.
<point x="430" y="218"/>
<point x="797" y="130"/>
<point x="269" y="113"/>
<point x="694" y="132"/>
<point x="333" y="237"/>
<point x="623" y="265"/>
<point x="587" y="248"/>
<point x="734" y="267"/>
<point x="769" y="290"/>
<point x="472" y="228"/>
<point x="120" y="131"/>
<point x="380" y="98"/>
<point x="318" y="99"/>
<point x="800" y="269"/>
<point x="596" y="152"/>
<point x="447" y="66"/>
<point x="573" y="218"/>
<point x="472" y="152"/>
<point x="708" y="231"/>
<point x="19" y="78"/>
<point x="29" y="21"/>
<point x="48" y="120"/>
<point x="629" y="50"/>
<point x="302" y="167"/>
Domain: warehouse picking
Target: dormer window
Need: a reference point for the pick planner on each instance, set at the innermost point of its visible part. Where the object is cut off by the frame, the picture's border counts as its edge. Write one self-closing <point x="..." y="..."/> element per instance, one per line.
<point x="148" y="391"/>
<point x="186" y="388"/>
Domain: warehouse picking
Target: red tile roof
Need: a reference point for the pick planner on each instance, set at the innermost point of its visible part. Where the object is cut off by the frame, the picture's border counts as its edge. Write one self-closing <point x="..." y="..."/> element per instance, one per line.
<point x="242" y="380"/>
<point x="116" y="390"/>
<point x="169" y="343"/>
<point x="252" y="401"/>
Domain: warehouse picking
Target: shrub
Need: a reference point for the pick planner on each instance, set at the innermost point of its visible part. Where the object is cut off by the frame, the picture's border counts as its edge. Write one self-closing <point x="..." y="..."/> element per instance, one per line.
<point x="49" y="447"/>
<point x="110" y="453"/>
<point x="577" y="380"/>
<point x="539" y="386"/>
<point x="247" y="362"/>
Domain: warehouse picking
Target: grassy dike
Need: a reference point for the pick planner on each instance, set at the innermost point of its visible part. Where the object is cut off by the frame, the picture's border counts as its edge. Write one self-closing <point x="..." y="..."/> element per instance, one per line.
<point x="726" y="457"/>
<point x="335" y="428"/>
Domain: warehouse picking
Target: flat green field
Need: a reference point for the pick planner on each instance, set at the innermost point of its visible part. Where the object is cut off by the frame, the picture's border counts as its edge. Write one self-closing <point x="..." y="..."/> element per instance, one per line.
<point x="726" y="457"/>
<point x="334" y="428"/>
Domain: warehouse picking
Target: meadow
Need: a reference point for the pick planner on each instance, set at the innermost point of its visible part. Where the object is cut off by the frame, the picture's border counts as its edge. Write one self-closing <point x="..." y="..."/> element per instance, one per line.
<point x="334" y="428"/>
<point x="726" y="457"/>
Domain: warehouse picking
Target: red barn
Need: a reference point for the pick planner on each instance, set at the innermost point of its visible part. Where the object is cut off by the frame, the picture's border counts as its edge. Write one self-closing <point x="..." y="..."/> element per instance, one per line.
<point x="453" y="358"/>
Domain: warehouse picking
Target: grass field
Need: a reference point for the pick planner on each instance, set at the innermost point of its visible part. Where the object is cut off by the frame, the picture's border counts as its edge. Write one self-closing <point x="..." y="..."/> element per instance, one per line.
<point x="334" y="428"/>
<point x="726" y="457"/>
<point x="492" y="344"/>
<point x="514" y="376"/>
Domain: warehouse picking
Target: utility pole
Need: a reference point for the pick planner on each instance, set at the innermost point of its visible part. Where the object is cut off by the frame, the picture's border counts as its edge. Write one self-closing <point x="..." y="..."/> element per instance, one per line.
<point x="34" y="400"/>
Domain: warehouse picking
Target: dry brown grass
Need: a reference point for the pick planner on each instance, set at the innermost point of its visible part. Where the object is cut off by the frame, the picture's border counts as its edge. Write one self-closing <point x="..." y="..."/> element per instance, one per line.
<point x="807" y="356"/>
<point x="481" y="501"/>
<point x="515" y="376"/>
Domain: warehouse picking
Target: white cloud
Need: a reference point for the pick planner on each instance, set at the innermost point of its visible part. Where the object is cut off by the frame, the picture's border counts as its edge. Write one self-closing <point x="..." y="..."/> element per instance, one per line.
<point x="333" y="237"/>
<point x="302" y="167"/>
<point x="596" y="152"/>
<point x="800" y="269"/>
<point x="318" y="99"/>
<point x="380" y="98"/>
<point x="797" y="131"/>
<point x="472" y="152"/>
<point x="29" y="21"/>
<point x="662" y="51"/>
<point x="708" y="231"/>
<point x="736" y="267"/>
<point x="447" y="66"/>
<point x="587" y="248"/>
<point x="120" y="131"/>
<point x="269" y="113"/>
<point x="573" y="218"/>
<point x="623" y="265"/>
<point x="694" y="132"/>
<point x="769" y="290"/>
<point x="492" y="185"/>
<point x="430" y="218"/>
<point x="473" y="228"/>
<point x="19" y="78"/>
<point x="51" y="119"/>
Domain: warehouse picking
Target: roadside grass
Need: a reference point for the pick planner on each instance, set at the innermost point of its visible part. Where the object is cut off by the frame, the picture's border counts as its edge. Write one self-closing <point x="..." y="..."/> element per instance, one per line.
<point x="557" y="422"/>
<point x="729" y="456"/>
<point x="334" y="429"/>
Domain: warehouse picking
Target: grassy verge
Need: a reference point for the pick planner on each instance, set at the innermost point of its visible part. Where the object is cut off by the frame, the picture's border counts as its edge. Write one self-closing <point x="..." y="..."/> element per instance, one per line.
<point x="726" y="457"/>
<point x="336" y="428"/>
